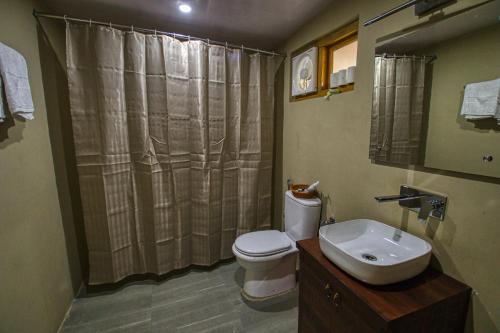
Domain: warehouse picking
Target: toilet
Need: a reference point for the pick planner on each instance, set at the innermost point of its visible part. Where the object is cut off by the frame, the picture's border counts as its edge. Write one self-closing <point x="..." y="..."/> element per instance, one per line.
<point x="270" y="257"/>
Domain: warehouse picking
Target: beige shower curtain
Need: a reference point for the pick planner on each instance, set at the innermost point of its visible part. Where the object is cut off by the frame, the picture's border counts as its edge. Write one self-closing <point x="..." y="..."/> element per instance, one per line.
<point x="174" y="145"/>
<point x="397" y="109"/>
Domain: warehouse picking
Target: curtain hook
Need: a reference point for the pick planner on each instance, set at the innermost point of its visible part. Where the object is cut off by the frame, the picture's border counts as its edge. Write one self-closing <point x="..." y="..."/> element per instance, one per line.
<point x="155" y="32"/>
<point x="132" y="28"/>
<point x="175" y="35"/>
<point x="226" y="46"/>
<point x="90" y="22"/>
<point x="66" y="18"/>
<point x="189" y="38"/>
<point x="241" y="48"/>
<point x="208" y="41"/>
<point x="110" y="25"/>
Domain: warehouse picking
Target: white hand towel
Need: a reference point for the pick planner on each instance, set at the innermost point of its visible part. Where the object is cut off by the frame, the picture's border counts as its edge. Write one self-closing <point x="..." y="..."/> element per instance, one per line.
<point x="2" y="111"/>
<point x="14" y="72"/>
<point x="482" y="100"/>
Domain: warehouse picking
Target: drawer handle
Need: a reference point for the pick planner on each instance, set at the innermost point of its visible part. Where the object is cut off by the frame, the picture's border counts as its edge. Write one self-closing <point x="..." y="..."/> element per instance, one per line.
<point x="328" y="291"/>
<point x="337" y="299"/>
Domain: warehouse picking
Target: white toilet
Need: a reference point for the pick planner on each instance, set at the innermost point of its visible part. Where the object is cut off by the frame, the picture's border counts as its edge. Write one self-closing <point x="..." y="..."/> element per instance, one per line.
<point x="270" y="257"/>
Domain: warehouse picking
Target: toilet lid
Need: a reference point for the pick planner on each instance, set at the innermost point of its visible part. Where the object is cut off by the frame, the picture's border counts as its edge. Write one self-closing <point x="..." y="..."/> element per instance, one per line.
<point x="262" y="243"/>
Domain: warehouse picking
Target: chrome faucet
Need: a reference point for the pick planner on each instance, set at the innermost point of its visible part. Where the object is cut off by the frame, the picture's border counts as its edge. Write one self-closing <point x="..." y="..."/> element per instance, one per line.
<point x="426" y="204"/>
<point x="400" y="197"/>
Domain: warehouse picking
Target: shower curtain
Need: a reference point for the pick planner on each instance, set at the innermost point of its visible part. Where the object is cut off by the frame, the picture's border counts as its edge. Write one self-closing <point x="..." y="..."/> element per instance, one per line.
<point x="397" y="109"/>
<point x="174" y="145"/>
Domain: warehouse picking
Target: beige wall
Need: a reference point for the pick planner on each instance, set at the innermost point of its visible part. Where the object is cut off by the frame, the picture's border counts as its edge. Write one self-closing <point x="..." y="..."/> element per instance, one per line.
<point x="454" y="143"/>
<point x="328" y="141"/>
<point x="37" y="279"/>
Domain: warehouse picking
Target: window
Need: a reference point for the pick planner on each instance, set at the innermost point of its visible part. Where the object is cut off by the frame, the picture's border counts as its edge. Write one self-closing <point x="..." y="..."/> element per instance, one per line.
<point x="336" y="51"/>
<point x="344" y="56"/>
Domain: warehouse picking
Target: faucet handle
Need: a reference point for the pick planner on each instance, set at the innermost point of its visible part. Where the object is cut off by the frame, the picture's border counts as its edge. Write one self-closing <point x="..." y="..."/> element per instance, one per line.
<point x="436" y="203"/>
<point x="434" y="206"/>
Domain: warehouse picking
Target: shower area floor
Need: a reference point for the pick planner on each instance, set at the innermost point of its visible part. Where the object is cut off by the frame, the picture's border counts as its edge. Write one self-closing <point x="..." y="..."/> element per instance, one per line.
<point x="197" y="301"/>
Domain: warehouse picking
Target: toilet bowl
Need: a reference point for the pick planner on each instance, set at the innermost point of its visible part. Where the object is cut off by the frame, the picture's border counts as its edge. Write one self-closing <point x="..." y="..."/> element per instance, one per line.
<point x="269" y="269"/>
<point x="270" y="257"/>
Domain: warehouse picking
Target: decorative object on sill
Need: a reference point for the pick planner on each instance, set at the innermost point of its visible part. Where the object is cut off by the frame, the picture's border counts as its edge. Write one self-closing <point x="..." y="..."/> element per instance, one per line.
<point x="14" y="75"/>
<point x="341" y="81"/>
<point x="305" y="72"/>
<point x="342" y="74"/>
<point x="331" y="92"/>
<point x="350" y="74"/>
<point x="334" y="80"/>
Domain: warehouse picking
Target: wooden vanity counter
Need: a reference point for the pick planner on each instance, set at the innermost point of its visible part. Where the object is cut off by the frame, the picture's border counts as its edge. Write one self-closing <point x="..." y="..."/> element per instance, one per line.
<point x="333" y="301"/>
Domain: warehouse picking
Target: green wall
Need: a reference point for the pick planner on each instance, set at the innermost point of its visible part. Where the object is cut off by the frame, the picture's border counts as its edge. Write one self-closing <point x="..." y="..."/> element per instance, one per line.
<point x="39" y="272"/>
<point x="328" y="141"/>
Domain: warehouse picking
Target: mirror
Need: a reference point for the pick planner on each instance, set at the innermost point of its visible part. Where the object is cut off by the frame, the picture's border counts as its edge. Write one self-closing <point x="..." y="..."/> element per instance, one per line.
<point x="436" y="95"/>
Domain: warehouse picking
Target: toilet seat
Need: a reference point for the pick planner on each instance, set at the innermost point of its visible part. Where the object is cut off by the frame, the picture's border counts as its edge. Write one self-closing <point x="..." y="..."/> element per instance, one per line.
<point x="262" y="243"/>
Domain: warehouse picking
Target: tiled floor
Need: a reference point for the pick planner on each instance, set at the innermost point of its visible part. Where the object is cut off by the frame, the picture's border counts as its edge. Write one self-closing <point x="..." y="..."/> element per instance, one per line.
<point x="198" y="301"/>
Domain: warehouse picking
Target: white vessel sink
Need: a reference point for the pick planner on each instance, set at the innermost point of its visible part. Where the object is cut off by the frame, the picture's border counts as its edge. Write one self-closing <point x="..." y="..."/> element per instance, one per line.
<point x="374" y="252"/>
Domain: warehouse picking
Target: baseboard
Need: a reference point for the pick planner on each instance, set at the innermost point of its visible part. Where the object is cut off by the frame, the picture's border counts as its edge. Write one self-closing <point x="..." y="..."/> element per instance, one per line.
<point x="66" y="315"/>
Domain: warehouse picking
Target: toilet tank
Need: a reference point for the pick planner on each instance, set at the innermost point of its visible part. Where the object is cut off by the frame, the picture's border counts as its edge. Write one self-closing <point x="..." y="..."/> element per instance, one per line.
<point x="301" y="217"/>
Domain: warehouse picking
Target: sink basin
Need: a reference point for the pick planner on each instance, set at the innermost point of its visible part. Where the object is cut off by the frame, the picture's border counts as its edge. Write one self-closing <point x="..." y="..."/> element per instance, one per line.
<point x="374" y="252"/>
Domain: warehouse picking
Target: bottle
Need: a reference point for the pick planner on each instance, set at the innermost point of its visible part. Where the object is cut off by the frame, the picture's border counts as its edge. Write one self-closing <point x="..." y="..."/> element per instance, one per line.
<point x="312" y="187"/>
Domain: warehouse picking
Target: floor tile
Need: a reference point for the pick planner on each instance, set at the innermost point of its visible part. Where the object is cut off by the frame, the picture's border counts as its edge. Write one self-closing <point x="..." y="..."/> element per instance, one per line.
<point x="201" y="301"/>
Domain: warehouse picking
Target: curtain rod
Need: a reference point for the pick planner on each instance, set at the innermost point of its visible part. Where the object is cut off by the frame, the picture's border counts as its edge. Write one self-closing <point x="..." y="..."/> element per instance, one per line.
<point x="385" y="55"/>
<point x="390" y="12"/>
<point x="66" y="18"/>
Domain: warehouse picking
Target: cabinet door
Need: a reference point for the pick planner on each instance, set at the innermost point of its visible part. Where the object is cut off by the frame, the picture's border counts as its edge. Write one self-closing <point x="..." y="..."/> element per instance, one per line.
<point x="322" y="307"/>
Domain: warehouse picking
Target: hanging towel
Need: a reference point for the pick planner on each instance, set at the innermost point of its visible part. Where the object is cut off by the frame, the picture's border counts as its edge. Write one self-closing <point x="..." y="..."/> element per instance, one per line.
<point x="14" y="74"/>
<point x="482" y="100"/>
<point x="2" y="111"/>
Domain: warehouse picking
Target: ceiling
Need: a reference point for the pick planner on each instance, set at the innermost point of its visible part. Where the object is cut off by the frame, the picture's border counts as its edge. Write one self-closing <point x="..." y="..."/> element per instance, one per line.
<point x="256" y="23"/>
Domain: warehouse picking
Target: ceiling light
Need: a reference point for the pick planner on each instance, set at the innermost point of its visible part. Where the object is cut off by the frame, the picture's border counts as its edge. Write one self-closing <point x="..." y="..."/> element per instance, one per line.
<point x="185" y="8"/>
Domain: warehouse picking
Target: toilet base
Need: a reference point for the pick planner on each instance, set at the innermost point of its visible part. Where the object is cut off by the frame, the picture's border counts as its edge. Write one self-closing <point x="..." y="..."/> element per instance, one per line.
<point x="262" y="299"/>
<point x="271" y="278"/>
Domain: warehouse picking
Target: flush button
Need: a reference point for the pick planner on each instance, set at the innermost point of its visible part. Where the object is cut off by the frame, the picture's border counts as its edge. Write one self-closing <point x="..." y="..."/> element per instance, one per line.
<point x="487" y="158"/>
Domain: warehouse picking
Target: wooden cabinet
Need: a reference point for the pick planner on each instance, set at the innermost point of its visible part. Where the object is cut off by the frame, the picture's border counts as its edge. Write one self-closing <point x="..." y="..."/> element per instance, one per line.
<point x="332" y="301"/>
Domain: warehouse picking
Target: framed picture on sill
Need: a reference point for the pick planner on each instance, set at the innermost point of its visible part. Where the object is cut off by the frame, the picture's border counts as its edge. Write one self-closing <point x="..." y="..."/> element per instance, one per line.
<point x="305" y="72"/>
